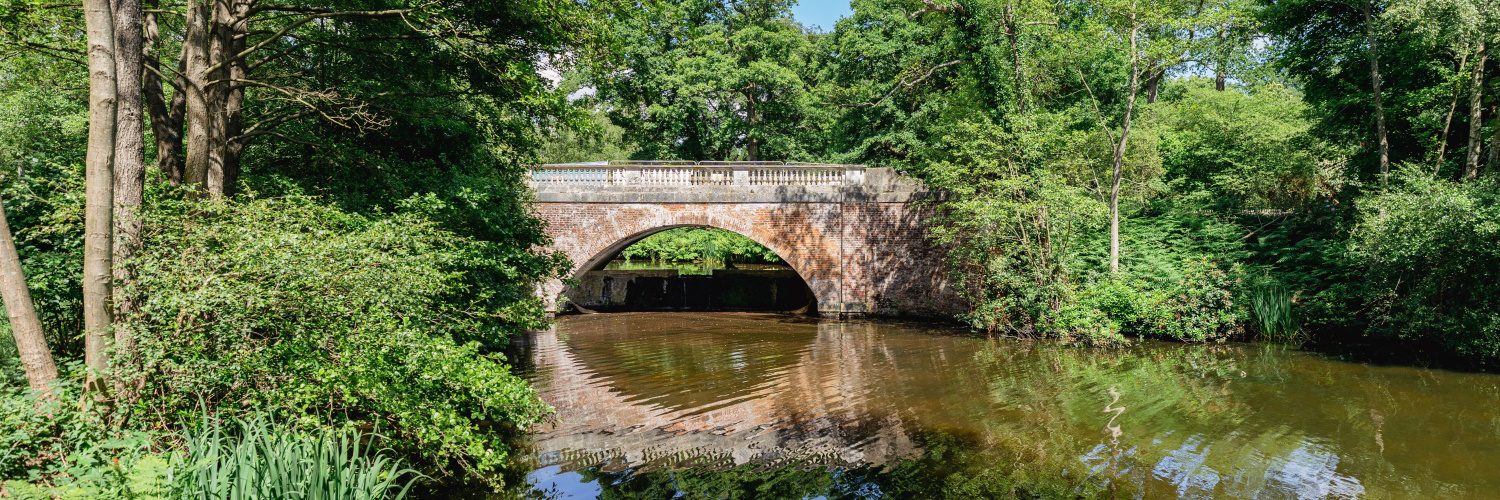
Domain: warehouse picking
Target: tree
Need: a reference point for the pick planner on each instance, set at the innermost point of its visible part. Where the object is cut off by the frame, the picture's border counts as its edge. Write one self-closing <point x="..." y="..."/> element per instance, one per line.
<point x="1119" y="156"/>
<point x="1432" y="42"/>
<point x="1380" y="134"/>
<point x="709" y="80"/>
<point x="1476" y="112"/>
<point x="129" y="163"/>
<point x="36" y="357"/>
<point x="341" y="64"/>
<point x="99" y="186"/>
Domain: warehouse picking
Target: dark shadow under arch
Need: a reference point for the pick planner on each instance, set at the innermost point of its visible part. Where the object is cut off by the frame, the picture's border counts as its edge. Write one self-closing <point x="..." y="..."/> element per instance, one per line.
<point x="597" y="264"/>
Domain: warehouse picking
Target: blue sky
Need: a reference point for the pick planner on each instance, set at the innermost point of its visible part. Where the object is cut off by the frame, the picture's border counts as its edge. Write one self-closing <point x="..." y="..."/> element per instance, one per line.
<point x="820" y="13"/>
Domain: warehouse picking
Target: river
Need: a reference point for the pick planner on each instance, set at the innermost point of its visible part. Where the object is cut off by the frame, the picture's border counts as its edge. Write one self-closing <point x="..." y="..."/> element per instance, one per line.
<point x="655" y="405"/>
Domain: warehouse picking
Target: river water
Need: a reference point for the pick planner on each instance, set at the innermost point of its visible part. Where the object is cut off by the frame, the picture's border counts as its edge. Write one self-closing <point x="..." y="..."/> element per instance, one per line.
<point x="655" y="405"/>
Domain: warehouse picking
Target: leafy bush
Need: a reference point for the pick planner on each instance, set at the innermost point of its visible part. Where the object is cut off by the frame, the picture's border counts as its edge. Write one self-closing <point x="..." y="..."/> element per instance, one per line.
<point x="1010" y="229"/>
<point x="1083" y="324"/>
<point x="58" y="447"/>
<point x="1430" y="250"/>
<point x="1202" y="306"/>
<point x="1198" y="308"/>
<point x="1252" y="150"/>
<point x="321" y="317"/>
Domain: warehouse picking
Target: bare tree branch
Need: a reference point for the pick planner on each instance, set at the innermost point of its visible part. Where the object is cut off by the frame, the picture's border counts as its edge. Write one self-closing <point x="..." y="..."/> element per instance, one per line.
<point x="904" y="83"/>
<point x="319" y="14"/>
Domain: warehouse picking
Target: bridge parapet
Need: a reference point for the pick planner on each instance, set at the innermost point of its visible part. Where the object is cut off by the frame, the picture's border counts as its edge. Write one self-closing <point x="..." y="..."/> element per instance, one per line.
<point x="688" y="173"/>
<point x="719" y="182"/>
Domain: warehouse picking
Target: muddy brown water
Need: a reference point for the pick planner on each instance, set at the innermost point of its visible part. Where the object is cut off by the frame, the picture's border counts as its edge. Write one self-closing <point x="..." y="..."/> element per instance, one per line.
<point x="758" y="405"/>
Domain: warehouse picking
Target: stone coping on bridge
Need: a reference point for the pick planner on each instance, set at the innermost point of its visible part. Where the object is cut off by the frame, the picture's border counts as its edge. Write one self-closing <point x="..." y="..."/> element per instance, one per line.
<point x="719" y="182"/>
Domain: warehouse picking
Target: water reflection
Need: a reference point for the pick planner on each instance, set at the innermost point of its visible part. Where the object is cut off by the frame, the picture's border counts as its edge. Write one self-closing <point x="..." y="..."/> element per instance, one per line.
<point x="724" y="401"/>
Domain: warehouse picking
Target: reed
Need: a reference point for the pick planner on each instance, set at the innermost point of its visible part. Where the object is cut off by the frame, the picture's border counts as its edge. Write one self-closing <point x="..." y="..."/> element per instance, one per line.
<point x="1271" y="305"/>
<point x="257" y="459"/>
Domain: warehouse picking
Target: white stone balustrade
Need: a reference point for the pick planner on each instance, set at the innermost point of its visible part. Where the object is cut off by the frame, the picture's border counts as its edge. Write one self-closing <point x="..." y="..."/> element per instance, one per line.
<point x="667" y="174"/>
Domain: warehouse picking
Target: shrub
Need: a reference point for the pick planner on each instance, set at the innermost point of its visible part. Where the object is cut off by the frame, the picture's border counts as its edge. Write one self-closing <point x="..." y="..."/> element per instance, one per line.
<point x="1202" y="306"/>
<point x="1198" y="308"/>
<point x="1083" y="324"/>
<point x="58" y="448"/>
<point x="1009" y="229"/>
<point x="320" y="317"/>
<point x="1430" y="250"/>
<point x="1133" y="306"/>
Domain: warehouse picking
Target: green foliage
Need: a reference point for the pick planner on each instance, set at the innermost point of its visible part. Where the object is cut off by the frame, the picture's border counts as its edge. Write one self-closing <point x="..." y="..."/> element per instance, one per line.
<point x="42" y="127"/>
<point x="59" y="448"/>
<point x="11" y="374"/>
<point x="319" y="316"/>
<point x="708" y="79"/>
<point x="1420" y="45"/>
<point x="1199" y="308"/>
<point x="1272" y="308"/>
<point x="693" y="244"/>
<point x="259" y="459"/>
<point x="1430" y="250"/>
<point x="1009" y="230"/>
<point x="593" y="139"/>
<point x="1251" y="150"/>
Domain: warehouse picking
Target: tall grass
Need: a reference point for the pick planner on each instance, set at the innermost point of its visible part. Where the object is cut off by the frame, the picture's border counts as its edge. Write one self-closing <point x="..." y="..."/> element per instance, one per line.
<point x="1271" y="306"/>
<point x="257" y="459"/>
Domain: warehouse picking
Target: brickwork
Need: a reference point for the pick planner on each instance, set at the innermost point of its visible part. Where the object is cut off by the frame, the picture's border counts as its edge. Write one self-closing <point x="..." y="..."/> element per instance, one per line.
<point x="858" y="257"/>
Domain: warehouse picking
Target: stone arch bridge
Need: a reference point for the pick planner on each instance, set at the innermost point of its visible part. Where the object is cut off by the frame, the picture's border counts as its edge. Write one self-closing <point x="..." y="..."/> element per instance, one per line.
<point x="856" y="235"/>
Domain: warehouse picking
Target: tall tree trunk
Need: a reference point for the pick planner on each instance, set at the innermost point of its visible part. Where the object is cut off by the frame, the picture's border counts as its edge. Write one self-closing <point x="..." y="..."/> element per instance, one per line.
<point x="1493" y="162"/>
<point x="129" y="177"/>
<point x="752" y="143"/>
<point x="1013" y="35"/>
<point x="1153" y="82"/>
<point x="1448" y="120"/>
<point x="130" y="150"/>
<point x="195" y="51"/>
<point x="1221" y="70"/>
<point x="1385" y="145"/>
<point x="233" y="31"/>
<point x="221" y="48"/>
<point x="1476" y="113"/>
<point x="166" y="116"/>
<point x="36" y="357"/>
<point x="98" y="189"/>
<point x="1119" y="160"/>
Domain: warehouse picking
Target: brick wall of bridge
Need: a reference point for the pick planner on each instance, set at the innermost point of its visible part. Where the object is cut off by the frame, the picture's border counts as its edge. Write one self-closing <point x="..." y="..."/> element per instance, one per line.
<point x="859" y="257"/>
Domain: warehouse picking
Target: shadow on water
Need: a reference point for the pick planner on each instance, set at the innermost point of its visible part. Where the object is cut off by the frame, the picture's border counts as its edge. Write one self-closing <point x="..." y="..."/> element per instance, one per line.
<point x="739" y="405"/>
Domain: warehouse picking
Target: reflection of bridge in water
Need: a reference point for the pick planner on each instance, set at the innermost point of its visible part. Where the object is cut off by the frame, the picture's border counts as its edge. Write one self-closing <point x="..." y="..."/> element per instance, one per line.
<point x="805" y="394"/>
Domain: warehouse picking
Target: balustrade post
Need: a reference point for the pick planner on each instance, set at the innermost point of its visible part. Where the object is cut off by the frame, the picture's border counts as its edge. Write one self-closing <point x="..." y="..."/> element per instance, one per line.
<point x="629" y="175"/>
<point x="854" y="176"/>
<point x="741" y="175"/>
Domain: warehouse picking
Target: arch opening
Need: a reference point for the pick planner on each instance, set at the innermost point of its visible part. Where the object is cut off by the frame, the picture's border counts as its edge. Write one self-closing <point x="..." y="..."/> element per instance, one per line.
<point x="689" y="267"/>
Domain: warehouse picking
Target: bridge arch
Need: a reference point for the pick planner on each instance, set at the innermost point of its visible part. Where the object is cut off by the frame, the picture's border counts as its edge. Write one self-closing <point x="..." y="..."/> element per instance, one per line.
<point x="789" y="231"/>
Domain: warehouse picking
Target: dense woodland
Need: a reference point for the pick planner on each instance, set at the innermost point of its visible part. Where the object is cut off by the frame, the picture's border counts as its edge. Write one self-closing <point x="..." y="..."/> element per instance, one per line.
<point x="248" y="225"/>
